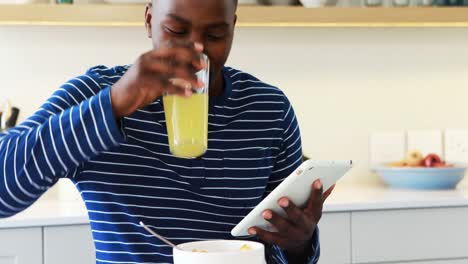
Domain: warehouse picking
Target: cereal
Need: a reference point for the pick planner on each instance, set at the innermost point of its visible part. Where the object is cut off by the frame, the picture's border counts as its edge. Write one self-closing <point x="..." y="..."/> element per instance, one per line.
<point x="245" y="247"/>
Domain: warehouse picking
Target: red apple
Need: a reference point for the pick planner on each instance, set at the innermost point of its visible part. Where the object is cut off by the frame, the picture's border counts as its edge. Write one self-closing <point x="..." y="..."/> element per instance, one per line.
<point x="432" y="159"/>
<point x="439" y="165"/>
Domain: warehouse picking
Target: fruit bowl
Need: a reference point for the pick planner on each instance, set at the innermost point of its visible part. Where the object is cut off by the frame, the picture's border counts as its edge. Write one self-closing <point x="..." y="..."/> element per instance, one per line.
<point x="421" y="178"/>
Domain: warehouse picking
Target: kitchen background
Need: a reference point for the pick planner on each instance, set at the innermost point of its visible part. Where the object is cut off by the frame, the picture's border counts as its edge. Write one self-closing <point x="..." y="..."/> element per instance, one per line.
<point x="343" y="82"/>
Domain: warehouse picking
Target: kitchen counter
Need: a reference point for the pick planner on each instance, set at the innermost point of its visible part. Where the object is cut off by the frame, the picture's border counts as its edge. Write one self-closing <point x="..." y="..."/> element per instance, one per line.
<point x="345" y="198"/>
<point x="48" y="213"/>
<point x="348" y="198"/>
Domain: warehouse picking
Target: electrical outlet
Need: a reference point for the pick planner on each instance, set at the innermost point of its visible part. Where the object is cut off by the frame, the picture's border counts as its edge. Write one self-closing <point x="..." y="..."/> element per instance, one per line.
<point x="426" y="141"/>
<point x="386" y="147"/>
<point x="456" y="146"/>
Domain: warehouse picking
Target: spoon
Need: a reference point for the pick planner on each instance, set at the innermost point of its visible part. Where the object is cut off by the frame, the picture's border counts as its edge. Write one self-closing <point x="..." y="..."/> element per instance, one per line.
<point x="163" y="239"/>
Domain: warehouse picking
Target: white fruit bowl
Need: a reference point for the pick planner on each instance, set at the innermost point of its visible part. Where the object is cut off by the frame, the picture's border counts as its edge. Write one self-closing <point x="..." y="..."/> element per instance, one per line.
<point x="219" y="252"/>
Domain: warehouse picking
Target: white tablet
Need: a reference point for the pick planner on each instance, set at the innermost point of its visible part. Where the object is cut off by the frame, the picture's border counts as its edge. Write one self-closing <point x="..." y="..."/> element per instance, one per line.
<point x="297" y="187"/>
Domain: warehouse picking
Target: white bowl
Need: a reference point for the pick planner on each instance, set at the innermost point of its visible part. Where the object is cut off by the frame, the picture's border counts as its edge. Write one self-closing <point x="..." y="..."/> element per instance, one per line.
<point x="277" y="2"/>
<point x="313" y="3"/>
<point x="219" y="252"/>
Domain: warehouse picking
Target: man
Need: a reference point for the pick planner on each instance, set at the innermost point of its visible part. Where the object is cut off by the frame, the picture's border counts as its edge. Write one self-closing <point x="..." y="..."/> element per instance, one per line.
<point x="106" y="132"/>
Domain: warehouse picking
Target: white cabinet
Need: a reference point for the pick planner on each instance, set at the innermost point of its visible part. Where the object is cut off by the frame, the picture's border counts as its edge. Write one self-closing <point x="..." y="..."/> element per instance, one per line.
<point x="416" y="236"/>
<point x="455" y="261"/>
<point x="335" y="238"/>
<point x="68" y="244"/>
<point x="410" y="235"/>
<point x="21" y="246"/>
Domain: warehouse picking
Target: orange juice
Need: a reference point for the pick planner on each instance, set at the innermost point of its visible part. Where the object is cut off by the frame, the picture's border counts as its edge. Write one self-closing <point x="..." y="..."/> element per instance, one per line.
<point x="187" y="124"/>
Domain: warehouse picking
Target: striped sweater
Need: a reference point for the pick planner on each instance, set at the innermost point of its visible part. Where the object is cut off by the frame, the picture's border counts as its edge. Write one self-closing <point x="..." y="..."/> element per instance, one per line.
<point x="125" y="172"/>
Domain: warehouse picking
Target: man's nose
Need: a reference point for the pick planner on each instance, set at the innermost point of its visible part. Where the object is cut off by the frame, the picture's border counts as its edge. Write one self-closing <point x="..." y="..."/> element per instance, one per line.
<point x="197" y="37"/>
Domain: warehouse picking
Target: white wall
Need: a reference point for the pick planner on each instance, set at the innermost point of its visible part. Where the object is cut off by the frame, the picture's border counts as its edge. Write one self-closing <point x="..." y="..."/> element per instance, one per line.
<point x="344" y="83"/>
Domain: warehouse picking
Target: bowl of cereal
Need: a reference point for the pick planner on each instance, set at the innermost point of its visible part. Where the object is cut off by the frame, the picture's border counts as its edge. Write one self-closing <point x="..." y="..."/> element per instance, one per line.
<point x="220" y="251"/>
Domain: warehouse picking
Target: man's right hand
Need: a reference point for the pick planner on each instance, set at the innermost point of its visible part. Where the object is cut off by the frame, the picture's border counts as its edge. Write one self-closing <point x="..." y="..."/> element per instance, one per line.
<point x="167" y="69"/>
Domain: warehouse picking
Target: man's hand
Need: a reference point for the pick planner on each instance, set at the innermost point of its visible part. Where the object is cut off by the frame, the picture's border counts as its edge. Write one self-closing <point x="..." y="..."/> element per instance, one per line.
<point x="170" y="69"/>
<point x="295" y="233"/>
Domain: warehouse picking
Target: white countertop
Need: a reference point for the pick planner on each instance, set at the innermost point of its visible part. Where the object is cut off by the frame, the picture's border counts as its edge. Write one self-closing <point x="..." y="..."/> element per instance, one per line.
<point x="49" y="213"/>
<point x="345" y="198"/>
<point x="369" y="198"/>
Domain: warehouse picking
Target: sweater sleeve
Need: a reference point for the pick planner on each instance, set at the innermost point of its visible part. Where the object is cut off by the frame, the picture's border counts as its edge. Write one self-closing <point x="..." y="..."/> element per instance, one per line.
<point x="75" y="124"/>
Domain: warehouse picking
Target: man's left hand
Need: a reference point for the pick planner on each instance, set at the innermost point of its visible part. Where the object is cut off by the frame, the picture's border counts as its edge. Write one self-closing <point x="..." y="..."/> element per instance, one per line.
<point x="294" y="233"/>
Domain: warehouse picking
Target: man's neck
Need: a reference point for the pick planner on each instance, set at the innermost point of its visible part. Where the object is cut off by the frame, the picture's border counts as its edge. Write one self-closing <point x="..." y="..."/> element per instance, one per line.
<point x="218" y="86"/>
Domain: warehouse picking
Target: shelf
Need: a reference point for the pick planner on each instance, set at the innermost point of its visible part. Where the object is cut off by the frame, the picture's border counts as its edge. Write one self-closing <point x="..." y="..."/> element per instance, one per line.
<point x="248" y="16"/>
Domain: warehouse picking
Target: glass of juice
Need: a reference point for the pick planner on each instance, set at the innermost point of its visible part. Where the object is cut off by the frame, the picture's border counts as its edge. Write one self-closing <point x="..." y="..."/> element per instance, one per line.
<point x="187" y="119"/>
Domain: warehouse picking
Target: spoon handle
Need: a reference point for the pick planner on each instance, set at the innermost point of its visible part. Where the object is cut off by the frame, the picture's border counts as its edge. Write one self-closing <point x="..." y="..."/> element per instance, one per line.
<point x="158" y="236"/>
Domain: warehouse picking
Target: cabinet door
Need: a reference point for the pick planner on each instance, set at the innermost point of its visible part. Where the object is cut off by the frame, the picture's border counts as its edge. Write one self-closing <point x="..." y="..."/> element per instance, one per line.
<point x="451" y="261"/>
<point x="69" y="244"/>
<point x="335" y="238"/>
<point x="21" y="246"/>
<point x="410" y="235"/>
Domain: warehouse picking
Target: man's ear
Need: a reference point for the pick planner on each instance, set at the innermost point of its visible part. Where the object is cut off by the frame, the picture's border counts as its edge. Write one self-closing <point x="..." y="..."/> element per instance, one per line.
<point x="148" y="19"/>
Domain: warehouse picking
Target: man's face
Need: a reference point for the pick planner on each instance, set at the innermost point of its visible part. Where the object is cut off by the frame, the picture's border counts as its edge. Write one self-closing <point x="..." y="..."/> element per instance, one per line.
<point x="209" y="22"/>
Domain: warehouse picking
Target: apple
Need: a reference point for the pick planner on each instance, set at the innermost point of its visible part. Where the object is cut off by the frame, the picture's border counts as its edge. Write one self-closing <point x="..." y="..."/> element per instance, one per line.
<point x="414" y="158"/>
<point x="398" y="164"/>
<point x="433" y="160"/>
<point x="439" y="165"/>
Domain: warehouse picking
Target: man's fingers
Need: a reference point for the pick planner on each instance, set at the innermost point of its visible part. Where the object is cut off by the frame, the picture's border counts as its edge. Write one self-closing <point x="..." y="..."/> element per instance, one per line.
<point x="328" y="192"/>
<point x="279" y="222"/>
<point x="268" y="237"/>
<point x="295" y="215"/>
<point x="178" y="76"/>
<point x="316" y="194"/>
<point x="181" y="83"/>
<point x="175" y="64"/>
<point x="179" y="56"/>
<point x="315" y="202"/>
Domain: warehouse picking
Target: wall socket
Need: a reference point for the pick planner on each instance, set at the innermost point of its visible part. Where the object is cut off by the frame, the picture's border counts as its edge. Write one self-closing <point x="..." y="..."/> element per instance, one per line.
<point x="426" y="141"/>
<point x="386" y="147"/>
<point x="456" y="146"/>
